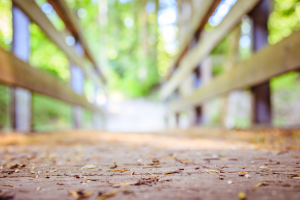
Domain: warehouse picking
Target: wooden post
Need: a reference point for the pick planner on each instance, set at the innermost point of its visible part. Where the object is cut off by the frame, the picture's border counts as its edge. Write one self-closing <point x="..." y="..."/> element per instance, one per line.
<point x="261" y="94"/>
<point x="21" y="106"/>
<point x="77" y="84"/>
<point x="206" y="77"/>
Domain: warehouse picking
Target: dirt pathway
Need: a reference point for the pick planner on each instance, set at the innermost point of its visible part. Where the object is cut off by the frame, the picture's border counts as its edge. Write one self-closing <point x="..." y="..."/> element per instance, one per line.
<point x="146" y="166"/>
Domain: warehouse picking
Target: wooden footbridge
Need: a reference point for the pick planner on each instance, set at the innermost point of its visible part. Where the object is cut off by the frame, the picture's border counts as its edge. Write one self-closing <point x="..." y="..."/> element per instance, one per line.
<point x="177" y="164"/>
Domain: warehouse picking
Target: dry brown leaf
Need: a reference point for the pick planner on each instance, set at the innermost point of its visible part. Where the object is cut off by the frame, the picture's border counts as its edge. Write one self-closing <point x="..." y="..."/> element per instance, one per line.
<point x="110" y="194"/>
<point x="115" y="166"/>
<point x="80" y="194"/>
<point x="173" y="172"/>
<point x="92" y="179"/>
<point x="154" y="166"/>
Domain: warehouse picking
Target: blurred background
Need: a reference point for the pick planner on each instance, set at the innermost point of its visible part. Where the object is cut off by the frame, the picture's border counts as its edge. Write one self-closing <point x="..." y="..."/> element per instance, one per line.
<point x="135" y="41"/>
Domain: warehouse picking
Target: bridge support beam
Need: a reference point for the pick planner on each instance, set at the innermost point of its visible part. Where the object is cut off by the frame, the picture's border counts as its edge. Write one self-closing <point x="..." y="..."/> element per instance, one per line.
<point x="21" y="98"/>
<point x="261" y="94"/>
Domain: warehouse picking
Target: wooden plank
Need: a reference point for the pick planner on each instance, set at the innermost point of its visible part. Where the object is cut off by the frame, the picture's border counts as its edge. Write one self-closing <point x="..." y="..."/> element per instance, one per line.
<point x="71" y="22"/>
<point x="198" y="23"/>
<point x="271" y="61"/>
<point x="33" y="11"/>
<point x="206" y="45"/>
<point x="15" y="72"/>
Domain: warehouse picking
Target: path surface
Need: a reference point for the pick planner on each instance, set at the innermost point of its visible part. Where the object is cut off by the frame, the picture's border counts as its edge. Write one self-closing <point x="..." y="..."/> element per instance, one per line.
<point x="175" y="165"/>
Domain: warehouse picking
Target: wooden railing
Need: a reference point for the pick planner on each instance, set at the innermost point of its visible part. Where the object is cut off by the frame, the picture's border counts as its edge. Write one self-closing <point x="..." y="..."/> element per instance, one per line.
<point x="15" y="70"/>
<point x="254" y="73"/>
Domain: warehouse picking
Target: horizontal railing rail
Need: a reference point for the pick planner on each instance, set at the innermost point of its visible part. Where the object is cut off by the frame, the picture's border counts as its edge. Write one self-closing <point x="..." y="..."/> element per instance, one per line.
<point x="15" y="72"/>
<point x="269" y="62"/>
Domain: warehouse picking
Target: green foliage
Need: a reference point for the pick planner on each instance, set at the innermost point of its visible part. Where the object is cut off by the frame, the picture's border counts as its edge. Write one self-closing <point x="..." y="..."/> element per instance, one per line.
<point x="50" y="114"/>
<point x="5" y="24"/>
<point x="284" y="19"/>
<point x="47" y="56"/>
<point x="5" y="99"/>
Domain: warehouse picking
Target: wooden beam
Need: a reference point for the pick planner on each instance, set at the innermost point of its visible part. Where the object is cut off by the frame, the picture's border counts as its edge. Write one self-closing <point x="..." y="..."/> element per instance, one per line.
<point x="71" y="22"/>
<point x="33" y="11"/>
<point x="198" y="23"/>
<point x="271" y="61"/>
<point x="15" y="72"/>
<point x="206" y="45"/>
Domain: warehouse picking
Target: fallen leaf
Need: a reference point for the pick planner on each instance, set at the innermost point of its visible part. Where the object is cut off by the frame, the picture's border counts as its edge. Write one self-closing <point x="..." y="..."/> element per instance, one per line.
<point x="7" y="185"/>
<point x="115" y="166"/>
<point x="242" y="195"/>
<point x="263" y="167"/>
<point x="88" y="167"/>
<point x="80" y="194"/>
<point x="32" y="172"/>
<point x="118" y="170"/>
<point x="214" y="171"/>
<point x="111" y="194"/>
<point x="172" y="172"/>
<point x="129" y="183"/>
<point x="92" y="179"/>
<point x="261" y="184"/>
<point x="154" y="166"/>
<point x="38" y="188"/>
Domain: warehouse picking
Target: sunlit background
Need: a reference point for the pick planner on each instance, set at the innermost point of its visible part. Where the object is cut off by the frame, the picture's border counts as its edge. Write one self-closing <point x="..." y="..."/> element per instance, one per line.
<point x="135" y="41"/>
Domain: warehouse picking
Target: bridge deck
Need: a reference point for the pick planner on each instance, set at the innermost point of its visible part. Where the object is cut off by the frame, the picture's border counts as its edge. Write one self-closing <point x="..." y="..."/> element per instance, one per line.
<point x="204" y="166"/>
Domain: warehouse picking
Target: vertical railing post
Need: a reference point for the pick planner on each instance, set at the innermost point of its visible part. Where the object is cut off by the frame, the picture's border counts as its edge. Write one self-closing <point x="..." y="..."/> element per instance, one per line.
<point x="21" y="107"/>
<point x="77" y="84"/>
<point x="198" y="118"/>
<point x="261" y="94"/>
<point x="206" y="76"/>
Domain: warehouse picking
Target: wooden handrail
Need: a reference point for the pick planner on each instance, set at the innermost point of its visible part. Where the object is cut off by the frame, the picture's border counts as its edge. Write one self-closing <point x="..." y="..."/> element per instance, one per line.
<point x="198" y="23"/>
<point x="271" y="61"/>
<point x="33" y="11"/>
<point x="206" y="45"/>
<point x="71" y="22"/>
<point x="16" y="72"/>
